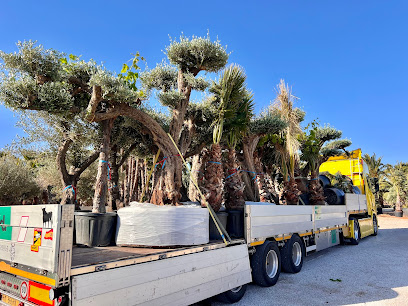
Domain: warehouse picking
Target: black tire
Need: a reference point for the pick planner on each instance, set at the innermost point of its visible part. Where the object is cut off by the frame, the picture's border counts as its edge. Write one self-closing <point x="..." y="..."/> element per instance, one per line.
<point x="357" y="232"/>
<point x="292" y="255"/>
<point x="375" y="225"/>
<point x="379" y="210"/>
<point x="266" y="264"/>
<point x="233" y="295"/>
<point x="341" y="239"/>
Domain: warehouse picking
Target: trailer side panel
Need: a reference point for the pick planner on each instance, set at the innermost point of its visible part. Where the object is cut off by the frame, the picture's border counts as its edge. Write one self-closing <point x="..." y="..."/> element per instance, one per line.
<point x="173" y="281"/>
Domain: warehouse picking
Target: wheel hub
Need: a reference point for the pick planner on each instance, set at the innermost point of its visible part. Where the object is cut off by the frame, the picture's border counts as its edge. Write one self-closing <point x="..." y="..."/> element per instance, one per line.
<point x="296" y="254"/>
<point x="271" y="264"/>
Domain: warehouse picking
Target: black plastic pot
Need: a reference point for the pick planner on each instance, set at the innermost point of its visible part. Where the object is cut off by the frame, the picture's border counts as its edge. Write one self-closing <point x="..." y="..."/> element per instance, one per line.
<point x="305" y="199"/>
<point x="94" y="229"/>
<point x="356" y="190"/>
<point x="324" y="181"/>
<point x="214" y="233"/>
<point x="334" y="196"/>
<point x="235" y="224"/>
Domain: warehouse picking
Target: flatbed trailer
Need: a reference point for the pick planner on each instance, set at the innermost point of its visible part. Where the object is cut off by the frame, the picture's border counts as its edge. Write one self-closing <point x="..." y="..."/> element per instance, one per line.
<point x="41" y="266"/>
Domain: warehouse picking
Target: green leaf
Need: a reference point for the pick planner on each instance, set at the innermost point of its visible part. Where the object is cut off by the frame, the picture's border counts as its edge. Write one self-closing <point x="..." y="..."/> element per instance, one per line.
<point x="125" y="68"/>
<point x="73" y="57"/>
<point x="63" y="61"/>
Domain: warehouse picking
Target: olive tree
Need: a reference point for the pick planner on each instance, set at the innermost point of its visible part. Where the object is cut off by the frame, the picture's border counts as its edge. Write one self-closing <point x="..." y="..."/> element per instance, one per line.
<point x="317" y="146"/>
<point x="39" y="79"/>
<point x="173" y="84"/>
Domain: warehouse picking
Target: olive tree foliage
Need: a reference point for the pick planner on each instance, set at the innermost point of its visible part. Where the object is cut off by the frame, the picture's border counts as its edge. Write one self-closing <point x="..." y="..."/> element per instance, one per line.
<point x="46" y="80"/>
<point x="173" y="84"/>
<point x="17" y="181"/>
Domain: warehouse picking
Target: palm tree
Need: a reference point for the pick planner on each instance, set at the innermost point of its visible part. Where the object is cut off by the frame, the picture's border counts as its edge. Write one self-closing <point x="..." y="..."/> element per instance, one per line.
<point x="397" y="177"/>
<point x="288" y="145"/>
<point x="237" y="127"/>
<point x="376" y="172"/>
<point x="374" y="164"/>
<point x="228" y="92"/>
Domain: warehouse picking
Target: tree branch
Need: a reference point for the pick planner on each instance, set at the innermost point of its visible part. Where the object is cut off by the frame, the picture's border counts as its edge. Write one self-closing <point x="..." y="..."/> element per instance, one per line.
<point x="86" y="163"/>
<point x="94" y="102"/>
<point x="61" y="160"/>
<point x="126" y="154"/>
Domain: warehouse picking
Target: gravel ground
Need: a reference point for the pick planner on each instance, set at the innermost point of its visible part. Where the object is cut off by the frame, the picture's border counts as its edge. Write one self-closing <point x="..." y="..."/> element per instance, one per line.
<point x="375" y="272"/>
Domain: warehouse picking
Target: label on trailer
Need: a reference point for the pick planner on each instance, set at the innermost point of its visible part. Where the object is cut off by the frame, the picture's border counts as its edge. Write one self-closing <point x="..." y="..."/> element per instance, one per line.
<point x="5" y="215"/>
<point x="49" y="234"/>
<point x="333" y="236"/>
<point x="318" y="212"/>
<point x="37" y="239"/>
<point x="23" y="229"/>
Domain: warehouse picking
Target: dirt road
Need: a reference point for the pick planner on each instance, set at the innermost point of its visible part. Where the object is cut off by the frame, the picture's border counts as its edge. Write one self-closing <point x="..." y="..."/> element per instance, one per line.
<point x="375" y="272"/>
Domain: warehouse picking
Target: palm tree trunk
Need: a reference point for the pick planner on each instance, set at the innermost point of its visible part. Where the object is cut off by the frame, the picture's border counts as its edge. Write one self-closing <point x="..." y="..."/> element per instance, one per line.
<point x="398" y="203"/>
<point x="234" y="186"/>
<point x="316" y="192"/>
<point x="213" y="178"/>
<point x="264" y="194"/>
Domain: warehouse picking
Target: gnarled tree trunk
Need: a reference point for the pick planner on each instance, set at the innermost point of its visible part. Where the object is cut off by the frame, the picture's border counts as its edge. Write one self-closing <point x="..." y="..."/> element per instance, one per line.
<point x="264" y="194"/>
<point x="249" y="144"/>
<point x="197" y="175"/>
<point x="101" y="185"/>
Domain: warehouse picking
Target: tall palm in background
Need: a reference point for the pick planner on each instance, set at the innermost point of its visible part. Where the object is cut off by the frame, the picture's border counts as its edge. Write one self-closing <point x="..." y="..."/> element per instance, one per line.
<point x="288" y="145"/>
<point x="229" y="91"/>
<point x="397" y="177"/>
<point x="376" y="173"/>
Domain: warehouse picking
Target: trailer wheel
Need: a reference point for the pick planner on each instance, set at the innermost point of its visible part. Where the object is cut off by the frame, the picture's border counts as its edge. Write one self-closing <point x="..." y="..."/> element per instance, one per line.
<point x="375" y="225"/>
<point x="266" y="264"/>
<point x="292" y="255"/>
<point x="232" y="296"/>
<point x="357" y="234"/>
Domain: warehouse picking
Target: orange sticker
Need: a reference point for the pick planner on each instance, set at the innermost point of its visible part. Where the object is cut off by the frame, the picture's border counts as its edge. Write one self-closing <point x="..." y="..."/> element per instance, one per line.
<point x="36" y="239"/>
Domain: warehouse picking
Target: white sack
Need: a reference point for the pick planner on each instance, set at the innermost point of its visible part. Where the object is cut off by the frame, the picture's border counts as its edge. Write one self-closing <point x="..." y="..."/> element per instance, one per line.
<point x="151" y="225"/>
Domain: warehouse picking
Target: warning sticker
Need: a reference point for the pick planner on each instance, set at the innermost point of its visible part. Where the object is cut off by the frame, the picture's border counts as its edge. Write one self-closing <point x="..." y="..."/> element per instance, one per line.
<point x="49" y="235"/>
<point x="36" y="239"/>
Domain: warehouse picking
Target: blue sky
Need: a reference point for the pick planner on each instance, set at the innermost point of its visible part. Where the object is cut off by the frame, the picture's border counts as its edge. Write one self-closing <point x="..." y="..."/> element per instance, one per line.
<point x="345" y="60"/>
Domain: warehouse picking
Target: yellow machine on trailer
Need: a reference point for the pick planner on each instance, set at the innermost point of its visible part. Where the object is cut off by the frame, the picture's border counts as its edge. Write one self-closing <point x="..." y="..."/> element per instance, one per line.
<point x="362" y="211"/>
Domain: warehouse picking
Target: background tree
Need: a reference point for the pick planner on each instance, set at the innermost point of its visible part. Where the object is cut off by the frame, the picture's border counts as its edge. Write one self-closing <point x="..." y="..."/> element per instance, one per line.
<point x="17" y="180"/>
<point x="397" y="178"/>
<point x="376" y="173"/>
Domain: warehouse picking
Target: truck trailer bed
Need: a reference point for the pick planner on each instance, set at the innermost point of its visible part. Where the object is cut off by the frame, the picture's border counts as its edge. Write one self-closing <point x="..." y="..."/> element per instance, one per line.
<point x="91" y="259"/>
